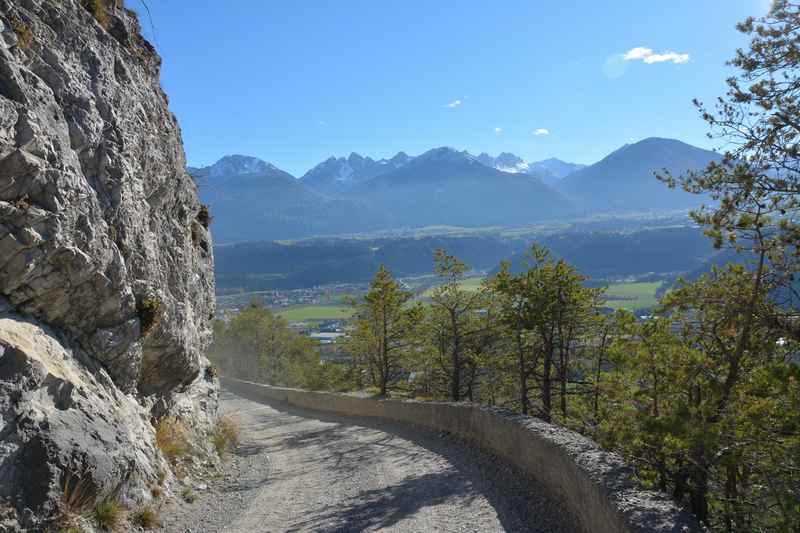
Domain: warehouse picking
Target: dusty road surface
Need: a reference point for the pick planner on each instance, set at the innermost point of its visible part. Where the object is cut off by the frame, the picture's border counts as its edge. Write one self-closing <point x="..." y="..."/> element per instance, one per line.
<point x="297" y="470"/>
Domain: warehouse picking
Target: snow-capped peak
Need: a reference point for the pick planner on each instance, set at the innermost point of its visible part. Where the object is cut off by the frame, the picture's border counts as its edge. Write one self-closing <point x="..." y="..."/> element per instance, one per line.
<point x="237" y="165"/>
<point x="446" y="153"/>
<point x="505" y="162"/>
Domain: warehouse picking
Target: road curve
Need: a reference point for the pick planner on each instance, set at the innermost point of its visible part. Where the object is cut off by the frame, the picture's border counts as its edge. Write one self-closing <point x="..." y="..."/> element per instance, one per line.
<point x="298" y="470"/>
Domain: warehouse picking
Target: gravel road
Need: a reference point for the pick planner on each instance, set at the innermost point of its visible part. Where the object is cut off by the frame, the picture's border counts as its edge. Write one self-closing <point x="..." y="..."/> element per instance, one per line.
<point x="297" y="470"/>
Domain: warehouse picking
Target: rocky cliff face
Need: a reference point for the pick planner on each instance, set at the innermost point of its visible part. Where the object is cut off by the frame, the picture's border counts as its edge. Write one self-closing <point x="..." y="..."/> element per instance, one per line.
<point x="106" y="272"/>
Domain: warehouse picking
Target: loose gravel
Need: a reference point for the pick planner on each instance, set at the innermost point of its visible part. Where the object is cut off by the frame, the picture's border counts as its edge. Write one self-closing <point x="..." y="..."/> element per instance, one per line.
<point x="298" y="470"/>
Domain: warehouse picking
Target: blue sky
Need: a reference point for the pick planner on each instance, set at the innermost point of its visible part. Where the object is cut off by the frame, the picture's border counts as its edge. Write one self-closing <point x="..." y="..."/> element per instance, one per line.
<point x="294" y="82"/>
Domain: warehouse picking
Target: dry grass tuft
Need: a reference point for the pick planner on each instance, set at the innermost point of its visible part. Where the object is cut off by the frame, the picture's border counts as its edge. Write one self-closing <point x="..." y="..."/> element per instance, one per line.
<point x="189" y="495"/>
<point x="171" y="439"/>
<point x="226" y="435"/>
<point x="23" y="31"/>
<point x="78" y="493"/>
<point x="108" y="515"/>
<point x="99" y="11"/>
<point x="146" y="518"/>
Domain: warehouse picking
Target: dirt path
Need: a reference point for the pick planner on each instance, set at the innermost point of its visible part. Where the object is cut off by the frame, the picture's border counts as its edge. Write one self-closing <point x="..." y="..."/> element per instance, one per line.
<point x="299" y="470"/>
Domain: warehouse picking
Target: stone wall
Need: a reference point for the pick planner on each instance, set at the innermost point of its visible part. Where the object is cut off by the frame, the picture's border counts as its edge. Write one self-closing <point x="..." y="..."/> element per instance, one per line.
<point x="597" y="486"/>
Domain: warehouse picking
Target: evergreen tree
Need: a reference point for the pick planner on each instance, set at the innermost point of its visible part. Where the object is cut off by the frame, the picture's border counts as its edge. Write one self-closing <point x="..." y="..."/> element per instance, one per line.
<point x="383" y="330"/>
<point x="453" y="316"/>
<point x="756" y="187"/>
<point x="712" y="424"/>
<point x="547" y="310"/>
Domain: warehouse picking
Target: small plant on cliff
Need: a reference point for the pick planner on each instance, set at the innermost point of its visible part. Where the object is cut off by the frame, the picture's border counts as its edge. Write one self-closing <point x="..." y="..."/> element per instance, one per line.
<point x="146" y="518"/>
<point x="67" y="523"/>
<point x="226" y="435"/>
<point x="188" y="495"/>
<point x="108" y="515"/>
<point x="204" y="216"/>
<point x="23" y="32"/>
<point x="171" y="439"/>
<point x="23" y="203"/>
<point x="211" y="373"/>
<point x="98" y="10"/>
<point x="149" y="312"/>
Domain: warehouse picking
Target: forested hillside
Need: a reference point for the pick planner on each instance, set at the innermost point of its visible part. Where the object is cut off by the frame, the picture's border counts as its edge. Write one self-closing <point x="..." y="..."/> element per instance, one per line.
<point x="272" y="265"/>
<point x="601" y="254"/>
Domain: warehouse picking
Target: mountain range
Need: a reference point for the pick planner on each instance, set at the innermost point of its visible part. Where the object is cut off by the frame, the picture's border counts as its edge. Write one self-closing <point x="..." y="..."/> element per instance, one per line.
<point x="337" y="175"/>
<point x="251" y="199"/>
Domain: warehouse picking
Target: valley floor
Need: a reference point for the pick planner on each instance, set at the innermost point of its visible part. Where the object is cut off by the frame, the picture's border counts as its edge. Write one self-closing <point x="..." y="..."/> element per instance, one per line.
<point x="298" y="470"/>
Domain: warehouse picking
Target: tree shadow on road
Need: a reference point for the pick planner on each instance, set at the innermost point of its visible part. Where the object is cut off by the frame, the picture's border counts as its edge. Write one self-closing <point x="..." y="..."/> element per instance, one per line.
<point x="382" y="508"/>
<point x="350" y="442"/>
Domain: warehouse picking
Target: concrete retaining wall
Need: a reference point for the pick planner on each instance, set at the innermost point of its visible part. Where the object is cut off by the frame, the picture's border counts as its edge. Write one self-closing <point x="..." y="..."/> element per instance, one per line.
<point x="597" y="486"/>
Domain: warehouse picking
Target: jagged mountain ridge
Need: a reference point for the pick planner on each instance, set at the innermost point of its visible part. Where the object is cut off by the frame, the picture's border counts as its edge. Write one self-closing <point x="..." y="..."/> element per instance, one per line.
<point x="442" y="186"/>
<point x="337" y="175"/>
<point x="548" y="170"/>
<point x="259" y="201"/>
<point x="446" y="186"/>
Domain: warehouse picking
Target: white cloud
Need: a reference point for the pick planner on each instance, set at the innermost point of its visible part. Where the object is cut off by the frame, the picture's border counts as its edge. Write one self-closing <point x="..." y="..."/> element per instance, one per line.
<point x="454" y="103"/>
<point x="498" y="130"/>
<point x="648" y="56"/>
<point x="667" y="56"/>
<point x="640" y="52"/>
<point x="541" y="131"/>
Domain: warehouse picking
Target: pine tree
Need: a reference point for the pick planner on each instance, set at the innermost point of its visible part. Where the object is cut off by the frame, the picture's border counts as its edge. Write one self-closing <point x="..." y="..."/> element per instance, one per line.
<point x="383" y="330"/>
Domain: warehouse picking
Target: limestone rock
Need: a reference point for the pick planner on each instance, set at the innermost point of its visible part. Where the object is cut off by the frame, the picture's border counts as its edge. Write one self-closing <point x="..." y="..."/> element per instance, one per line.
<point x="67" y="430"/>
<point x="106" y="267"/>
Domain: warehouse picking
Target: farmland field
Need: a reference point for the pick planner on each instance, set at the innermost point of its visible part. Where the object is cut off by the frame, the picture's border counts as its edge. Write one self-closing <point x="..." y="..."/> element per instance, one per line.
<point x="468" y="284"/>
<point x="632" y="296"/>
<point x="302" y="313"/>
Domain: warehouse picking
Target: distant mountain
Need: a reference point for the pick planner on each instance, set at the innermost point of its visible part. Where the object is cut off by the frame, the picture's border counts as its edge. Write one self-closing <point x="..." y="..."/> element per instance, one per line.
<point x="233" y="165"/>
<point x="505" y="162"/>
<point x="556" y="167"/>
<point x="251" y="199"/>
<point x="549" y="171"/>
<point x="337" y="175"/>
<point x="445" y="186"/>
<point x="625" y="181"/>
